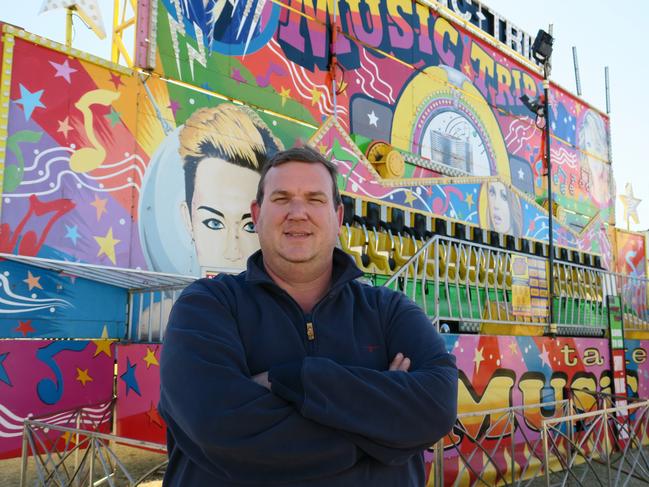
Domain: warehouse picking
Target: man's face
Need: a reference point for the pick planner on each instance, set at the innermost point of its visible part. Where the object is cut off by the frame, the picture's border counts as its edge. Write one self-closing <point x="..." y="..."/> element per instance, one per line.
<point x="220" y="224"/>
<point x="297" y="221"/>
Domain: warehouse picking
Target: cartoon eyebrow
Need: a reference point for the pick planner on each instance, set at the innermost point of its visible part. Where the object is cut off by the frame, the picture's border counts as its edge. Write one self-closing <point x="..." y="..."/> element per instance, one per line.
<point x="216" y="212"/>
<point x="246" y="215"/>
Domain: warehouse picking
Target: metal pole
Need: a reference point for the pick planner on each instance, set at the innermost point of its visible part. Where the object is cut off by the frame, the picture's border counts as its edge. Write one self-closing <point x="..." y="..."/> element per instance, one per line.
<point x="608" y="93"/>
<point x="552" y="328"/>
<point x="546" y="454"/>
<point x="68" y="26"/>
<point x="576" y="63"/>
<point x="23" y="460"/>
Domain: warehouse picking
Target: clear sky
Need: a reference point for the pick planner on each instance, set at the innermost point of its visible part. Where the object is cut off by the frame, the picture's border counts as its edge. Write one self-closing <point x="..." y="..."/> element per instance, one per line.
<point x="604" y="33"/>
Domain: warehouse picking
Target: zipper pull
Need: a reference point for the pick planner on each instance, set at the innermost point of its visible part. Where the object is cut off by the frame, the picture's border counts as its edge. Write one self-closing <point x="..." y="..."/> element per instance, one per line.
<point x="310" y="332"/>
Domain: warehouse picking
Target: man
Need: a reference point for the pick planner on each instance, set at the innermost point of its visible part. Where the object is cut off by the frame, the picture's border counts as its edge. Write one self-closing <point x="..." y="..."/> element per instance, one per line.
<point x="294" y="373"/>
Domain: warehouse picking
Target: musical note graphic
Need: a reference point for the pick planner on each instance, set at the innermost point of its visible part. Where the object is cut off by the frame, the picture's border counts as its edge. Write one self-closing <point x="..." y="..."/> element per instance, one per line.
<point x="89" y="158"/>
<point x="50" y="391"/>
<point x="31" y="243"/>
<point x="264" y="81"/>
<point x="14" y="174"/>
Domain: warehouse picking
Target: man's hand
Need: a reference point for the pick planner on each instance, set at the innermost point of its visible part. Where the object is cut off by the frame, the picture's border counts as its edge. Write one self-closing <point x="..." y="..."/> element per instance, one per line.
<point x="262" y="379"/>
<point x="400" y="362"/>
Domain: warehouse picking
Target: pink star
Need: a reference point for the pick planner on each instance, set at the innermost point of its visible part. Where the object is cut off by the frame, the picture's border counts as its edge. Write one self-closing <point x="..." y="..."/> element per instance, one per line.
<point x="64" y="126"/>
<point x="237" y="76"/>
<point x="63" y="70"/>
<point x="174" y="106"/>
<point x="116" y="79"/>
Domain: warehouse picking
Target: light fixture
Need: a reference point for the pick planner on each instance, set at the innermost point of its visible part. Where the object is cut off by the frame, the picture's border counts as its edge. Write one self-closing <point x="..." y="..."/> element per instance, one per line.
<point x="542" y="47"/>
<point x="534" y="105"/>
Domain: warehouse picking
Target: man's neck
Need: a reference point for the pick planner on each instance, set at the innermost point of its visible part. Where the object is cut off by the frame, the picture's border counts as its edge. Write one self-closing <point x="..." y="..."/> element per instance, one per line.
<point x="305" y="286"/>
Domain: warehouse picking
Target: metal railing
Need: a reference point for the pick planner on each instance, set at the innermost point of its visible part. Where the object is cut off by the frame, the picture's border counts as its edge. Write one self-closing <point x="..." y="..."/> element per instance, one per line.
<point x="149" y="313"/>
<point x="586" y="447"/>
<point x="64" y="456"/>
<point x="459" y="281"/>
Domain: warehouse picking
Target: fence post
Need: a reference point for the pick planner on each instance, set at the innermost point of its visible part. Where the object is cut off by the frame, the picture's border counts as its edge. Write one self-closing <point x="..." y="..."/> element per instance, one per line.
<point x="546" y="454"/>
<point x="513" y="463"/>
<point x="24" y="457"/>
<point x="439" y="463"/>
<point x="607" y="446"/>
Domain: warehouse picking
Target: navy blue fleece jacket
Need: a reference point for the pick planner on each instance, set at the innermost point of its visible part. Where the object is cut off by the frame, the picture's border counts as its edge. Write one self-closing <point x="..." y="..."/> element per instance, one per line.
<point x="335" y="415"/>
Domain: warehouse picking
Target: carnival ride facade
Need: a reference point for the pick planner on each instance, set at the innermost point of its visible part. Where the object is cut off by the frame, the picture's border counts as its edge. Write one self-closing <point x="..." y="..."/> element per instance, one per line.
<point x="109" y="208"/>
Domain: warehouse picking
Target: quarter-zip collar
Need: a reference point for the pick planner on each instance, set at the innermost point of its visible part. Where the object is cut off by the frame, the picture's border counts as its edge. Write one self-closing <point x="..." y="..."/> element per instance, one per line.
<point x="344" y="270"/>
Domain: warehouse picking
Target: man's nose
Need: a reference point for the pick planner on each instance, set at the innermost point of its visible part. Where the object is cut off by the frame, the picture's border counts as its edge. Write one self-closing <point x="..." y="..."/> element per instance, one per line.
<point x="232" y="251"/>
<point x="297" y="209"/>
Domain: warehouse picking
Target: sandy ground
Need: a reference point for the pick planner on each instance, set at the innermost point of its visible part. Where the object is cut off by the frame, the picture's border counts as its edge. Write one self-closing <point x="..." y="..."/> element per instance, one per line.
<point x="136" y="460"/>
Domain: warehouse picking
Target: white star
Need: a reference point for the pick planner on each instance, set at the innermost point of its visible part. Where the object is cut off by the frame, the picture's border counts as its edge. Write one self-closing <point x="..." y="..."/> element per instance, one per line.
<point x="630" y="204"/>
<point x="521" y="174"/>
<point x="373" y="118"/>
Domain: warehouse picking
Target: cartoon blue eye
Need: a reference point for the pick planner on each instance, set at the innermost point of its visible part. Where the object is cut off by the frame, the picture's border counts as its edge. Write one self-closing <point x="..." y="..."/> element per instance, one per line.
<point x="249" y="227"/>
<point x="213" y="224"/>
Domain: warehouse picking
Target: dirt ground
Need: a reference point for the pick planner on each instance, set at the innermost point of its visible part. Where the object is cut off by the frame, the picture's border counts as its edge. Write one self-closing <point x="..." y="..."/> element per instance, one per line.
<point x="137" y="462"/>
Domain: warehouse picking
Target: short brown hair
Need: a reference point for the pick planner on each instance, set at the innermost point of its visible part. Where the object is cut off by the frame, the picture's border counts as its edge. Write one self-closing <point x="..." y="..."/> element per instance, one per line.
<point x="304" y="154"/>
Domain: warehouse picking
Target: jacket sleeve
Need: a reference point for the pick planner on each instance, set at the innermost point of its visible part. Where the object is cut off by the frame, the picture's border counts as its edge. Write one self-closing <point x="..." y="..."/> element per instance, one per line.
<point x="390" y="414"/>
<point x="220" y="418"/>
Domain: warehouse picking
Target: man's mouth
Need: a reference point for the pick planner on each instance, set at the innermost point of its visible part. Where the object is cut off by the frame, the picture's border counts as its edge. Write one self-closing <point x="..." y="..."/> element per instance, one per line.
<point x="297" y="234"/>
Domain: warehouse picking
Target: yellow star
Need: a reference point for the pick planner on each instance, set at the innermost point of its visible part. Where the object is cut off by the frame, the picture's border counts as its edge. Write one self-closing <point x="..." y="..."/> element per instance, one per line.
<point x="100" y="206"/>
<point x="285" y="93"/>
<point x="469" y="200"/>
<point x="68" y="438"/>
<point x="323" y="149"/>
<point x="150" y="358"/>
<point x="315" y="95"/>
<point x="630" y="204"/>
<point x="478" y="358"/>
<point x="513" y="347"/>
<point x="107" y="245"/>
<point x="32" y="281"/>
<point x="83" y="377"/>
<point x="64" y="126"/>
<point x="103" y="345"/>
<point x="467" y="69"/>
<point x="410" y="196"/>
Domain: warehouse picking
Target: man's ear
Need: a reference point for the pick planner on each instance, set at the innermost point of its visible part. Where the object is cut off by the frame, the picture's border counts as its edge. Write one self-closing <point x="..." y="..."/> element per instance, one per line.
<point x="340" y="212"/>
<point x="254" y="211"/>
<point x="187" y="219"/>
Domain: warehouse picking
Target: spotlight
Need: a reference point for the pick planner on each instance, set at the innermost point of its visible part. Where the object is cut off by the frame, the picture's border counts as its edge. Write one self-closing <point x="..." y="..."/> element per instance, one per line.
<point x="542" y="47"/>
<point x="533" y="105"/>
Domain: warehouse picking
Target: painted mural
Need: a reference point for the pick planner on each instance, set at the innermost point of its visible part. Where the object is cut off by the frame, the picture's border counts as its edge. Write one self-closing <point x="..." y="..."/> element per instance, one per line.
<point x="632" y="263"/>
<point x="48" y="380"/>
<point x="396" y="71"/>
<point x="40" y="303"/>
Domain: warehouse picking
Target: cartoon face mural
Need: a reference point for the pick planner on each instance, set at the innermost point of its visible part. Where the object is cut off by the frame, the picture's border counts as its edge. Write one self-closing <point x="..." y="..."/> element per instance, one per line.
<point x="503" y="212"/>
<point x="593" y="157"/>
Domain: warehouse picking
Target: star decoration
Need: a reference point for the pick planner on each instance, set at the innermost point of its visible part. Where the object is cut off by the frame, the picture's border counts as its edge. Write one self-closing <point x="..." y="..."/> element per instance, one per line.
<point x="410" y="196"/>
<point x="107" y="245"/>
<point x="323" y="149"/>
<point x="478" y="358"/>
<point x="30" y="101"/>
<point x="68" y="438"/>
<point x="113" y="117"/>
<point x="285" y="93"/>
<point x="4" y="377"/>
<point x="513" y="347"/>
<point x="83" y="377"/>
<point x="521" y="174"/>
<point x="116" y="79"/>
<point x="469" y="200"/>
<point x="544" y="356"/>
<point x="32" y="281"/>
<point x="154" y="416"/>
<point x="174" y="106"/>
<point x="100" y="205"/>
<point x="237" y="76"/>
<point x="630" y="204"/>
<point x="103" y="344"/>
<point x="150" y="359"/>
<point x="315" y="95"/>
<point x="466" y="67"/>
<point x="72" y="233"/>
<point x="63" y="70"/>
<point x="64" y="126"/>
<point x="129" y="378"/>
<point x="373" y="118"/>
<point x="25" y="327"/>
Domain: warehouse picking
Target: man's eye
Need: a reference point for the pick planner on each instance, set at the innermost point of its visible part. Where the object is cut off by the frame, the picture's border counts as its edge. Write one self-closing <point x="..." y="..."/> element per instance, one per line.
<point x="249" y="227"/>
<point x="213" y="224"/>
